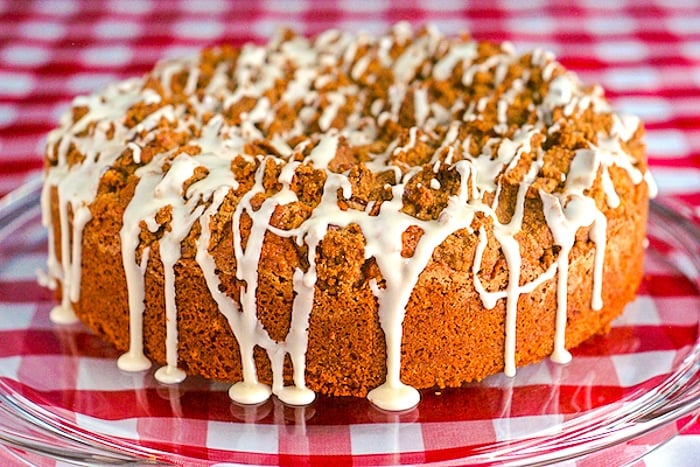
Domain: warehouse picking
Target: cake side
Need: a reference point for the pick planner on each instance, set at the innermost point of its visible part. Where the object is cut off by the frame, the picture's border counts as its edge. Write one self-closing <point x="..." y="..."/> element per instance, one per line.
<point x="414" y="201"/>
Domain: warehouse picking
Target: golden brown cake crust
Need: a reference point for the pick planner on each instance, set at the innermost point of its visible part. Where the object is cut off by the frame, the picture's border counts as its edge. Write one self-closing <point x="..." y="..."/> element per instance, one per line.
<point x="449" y="337"/>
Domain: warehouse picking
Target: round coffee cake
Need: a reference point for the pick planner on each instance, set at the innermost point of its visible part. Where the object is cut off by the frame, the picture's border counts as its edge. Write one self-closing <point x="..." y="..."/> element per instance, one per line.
<point x="348" y="214"/>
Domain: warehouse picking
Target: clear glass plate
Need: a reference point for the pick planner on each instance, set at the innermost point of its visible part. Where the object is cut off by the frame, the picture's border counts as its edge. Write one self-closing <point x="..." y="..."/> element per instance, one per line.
<point x="62" y="396"/>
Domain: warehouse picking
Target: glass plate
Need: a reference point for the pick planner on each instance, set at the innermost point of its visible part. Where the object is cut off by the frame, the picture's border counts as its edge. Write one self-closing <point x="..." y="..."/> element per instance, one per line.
<point x="62" y="396"/>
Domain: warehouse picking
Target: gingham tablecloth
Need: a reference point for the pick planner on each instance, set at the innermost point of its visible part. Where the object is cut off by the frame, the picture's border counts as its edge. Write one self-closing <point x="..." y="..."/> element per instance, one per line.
<point x="646" y="54"/>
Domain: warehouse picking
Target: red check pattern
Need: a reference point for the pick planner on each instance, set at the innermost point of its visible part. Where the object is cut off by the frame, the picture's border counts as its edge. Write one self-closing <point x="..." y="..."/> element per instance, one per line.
<point x="645" y="53"/>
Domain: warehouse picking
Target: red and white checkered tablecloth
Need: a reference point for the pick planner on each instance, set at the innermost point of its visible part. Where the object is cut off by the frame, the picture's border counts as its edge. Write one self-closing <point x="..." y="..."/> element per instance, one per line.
<point x="645" y="53"/>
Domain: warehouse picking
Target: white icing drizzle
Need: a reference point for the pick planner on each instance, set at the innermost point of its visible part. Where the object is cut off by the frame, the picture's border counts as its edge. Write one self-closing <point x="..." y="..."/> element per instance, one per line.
<point x="564" y="221"/>
<point x="505" y="234"/>
<point x="161" y="183"/>
<point x="250" y="390"/>
<point x="561" y="90"/>
<point x="420" y="103"/>
<point x="76" y="185"/>
<point x="463" y="53"/>
<point x="134" y="359"/>
<point x="500" y="60"/>
<point x="330" y="112"/>
<point x="183" y="216"/>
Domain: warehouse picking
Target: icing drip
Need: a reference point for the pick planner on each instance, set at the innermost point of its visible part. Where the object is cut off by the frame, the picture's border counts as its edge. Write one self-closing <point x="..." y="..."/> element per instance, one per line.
<point x="564" y="220"/>
<point x="250" y="390"/>
<point x="598" y="237"/>
<point x="247" y="270"/>
<point x="183" y="216"/>
<point x="505" y="234"/>
<point x="134" y="359"/>
<point x="76" y="186"/>
<point x="241" y="103"/>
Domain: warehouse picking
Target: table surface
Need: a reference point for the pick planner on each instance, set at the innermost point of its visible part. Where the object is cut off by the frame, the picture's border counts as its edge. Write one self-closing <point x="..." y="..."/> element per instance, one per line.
<point x="646" y="55"/>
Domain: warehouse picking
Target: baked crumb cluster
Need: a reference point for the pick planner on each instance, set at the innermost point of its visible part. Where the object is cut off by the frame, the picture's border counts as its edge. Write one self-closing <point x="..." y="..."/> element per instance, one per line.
<point x="333" y="165"/>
